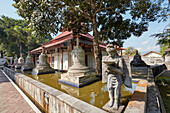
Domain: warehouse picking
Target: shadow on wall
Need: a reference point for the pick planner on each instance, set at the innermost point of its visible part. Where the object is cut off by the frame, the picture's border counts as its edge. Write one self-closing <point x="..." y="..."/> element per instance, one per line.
<point x="158" y="69"/>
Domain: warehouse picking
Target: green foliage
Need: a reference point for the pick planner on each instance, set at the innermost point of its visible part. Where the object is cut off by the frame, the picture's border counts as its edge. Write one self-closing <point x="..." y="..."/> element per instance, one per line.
<point x="163" y="39"/>
<point x="163" y="80"/>
<point x="130" y="51"/>
<point x="109" y="20"/>
<point x="16" y="37"/>
<point x="109" y="16"/>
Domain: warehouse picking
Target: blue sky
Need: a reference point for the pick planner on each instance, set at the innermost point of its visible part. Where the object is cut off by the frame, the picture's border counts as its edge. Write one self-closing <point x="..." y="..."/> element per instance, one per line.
<point x="144" y="43"/>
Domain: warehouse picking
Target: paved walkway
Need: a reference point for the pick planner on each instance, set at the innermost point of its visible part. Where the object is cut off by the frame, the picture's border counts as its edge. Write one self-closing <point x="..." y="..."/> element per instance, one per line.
<point x="10" y="99"/>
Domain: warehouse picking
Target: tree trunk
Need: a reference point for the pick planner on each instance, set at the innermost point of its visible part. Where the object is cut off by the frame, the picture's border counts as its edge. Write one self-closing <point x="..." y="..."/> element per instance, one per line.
<point x="20" y="48"/>
<point x="97" y="51"/>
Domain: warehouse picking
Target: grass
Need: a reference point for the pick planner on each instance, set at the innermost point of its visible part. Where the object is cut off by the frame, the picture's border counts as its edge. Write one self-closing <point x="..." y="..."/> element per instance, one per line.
<point x="163" y="84"/>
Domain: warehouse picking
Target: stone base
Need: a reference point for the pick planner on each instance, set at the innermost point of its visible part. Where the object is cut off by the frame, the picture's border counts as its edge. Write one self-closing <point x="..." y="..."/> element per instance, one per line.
<point x="77" y="80"/>
<point x="26" y="68"/>
<point x="39" y="71"/>
<point x="111" y="110"/>
<point x="18" y="66"/>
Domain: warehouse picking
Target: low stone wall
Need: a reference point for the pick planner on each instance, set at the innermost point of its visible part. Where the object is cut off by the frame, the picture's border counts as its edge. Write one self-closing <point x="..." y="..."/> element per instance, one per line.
<point x="51" y="100"/>
<point x="54" y="101"/>
<point x="137" y="103"/>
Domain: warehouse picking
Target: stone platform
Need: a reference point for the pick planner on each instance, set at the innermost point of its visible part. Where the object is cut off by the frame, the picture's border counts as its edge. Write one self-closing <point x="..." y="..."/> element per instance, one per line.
<point x="39" y="71"/>
<point x="111" y="110"/>
<point x="78" y="80"/>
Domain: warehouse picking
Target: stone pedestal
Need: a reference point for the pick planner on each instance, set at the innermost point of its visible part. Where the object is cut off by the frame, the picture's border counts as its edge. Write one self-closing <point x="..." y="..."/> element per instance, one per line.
<point x="111" y="110"/>
<point x="43" y="67"/>
<point x="28" y="64"/>
<point x="20" y="63"/>
<point x="78" y="74"/>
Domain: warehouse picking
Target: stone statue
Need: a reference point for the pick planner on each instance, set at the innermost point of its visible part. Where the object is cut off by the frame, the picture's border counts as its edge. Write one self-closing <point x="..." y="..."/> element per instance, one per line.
<point x="43" y="67"/>
<point x="28" y="63"/>
<point x="137" y="61"/>
<point x="20" y="62"/>
<point x="78" y="74"/>
<point x="114" y="72"/>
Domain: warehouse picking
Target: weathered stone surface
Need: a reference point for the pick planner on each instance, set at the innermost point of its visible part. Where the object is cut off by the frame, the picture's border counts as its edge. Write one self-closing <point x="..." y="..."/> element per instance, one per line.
<point x="28" y="64"/>
<point x="111" y="109"/>
<point x="137" y="61"/>
<point x="78" y="74"/>
<point x="58" y="102"/>
<point x="137" y="103"/>
<point x="114" y="71"/>
<point x="43" y="66"/>
<point x="20" y="62"/>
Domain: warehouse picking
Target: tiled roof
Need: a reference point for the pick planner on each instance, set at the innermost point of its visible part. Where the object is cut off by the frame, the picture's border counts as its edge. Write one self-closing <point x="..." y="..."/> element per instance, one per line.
<point x="152" y="52"/>
<point x="63" y="34"/>
<point x="66" y="35"/>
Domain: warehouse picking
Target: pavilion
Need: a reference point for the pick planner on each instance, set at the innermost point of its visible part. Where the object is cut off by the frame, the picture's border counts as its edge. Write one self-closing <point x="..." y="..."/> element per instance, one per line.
<point x="59" y="50"/>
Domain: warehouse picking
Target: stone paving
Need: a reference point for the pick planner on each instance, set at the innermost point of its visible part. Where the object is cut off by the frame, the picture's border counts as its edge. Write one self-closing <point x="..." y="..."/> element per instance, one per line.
<point x="10" y="99"/>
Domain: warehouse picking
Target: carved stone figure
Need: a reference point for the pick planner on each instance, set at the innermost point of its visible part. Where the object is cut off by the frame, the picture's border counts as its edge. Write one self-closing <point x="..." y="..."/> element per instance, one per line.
<point x="28" y="63"/>
<point x="114" y="72"/>
<point x="20" y="62"/>
<point x="43" y="66"/>
<point x="137" y="61"/>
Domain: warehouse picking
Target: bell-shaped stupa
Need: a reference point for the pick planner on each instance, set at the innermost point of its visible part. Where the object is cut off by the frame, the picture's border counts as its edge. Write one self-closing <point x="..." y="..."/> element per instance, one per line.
<point x="137" y="61"/>
<point x="43" y="67"/>
<point x="15" y="61"/>
<point x="28" y="64"/>
<point x="78" y="74"/>
<point x="20" y="62"/>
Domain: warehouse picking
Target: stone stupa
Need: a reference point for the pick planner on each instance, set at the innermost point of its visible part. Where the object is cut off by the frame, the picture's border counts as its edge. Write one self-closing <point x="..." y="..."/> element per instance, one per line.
<point x="137" y="61"/>
<point x="43" y="67"/>
<point x="28" y="64"/>
<point x="78" y="74"/>
<point x="20" y="62"/>
<point x="15" y="61"/>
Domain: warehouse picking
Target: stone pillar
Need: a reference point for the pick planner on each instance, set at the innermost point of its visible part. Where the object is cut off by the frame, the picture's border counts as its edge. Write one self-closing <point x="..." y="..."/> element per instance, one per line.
<point x="61" y="58"/>
<point x="35" y="58"/>
<point x="51" y="57"/>
<point x="69" y="48"/>
<point x="32" y="58"/>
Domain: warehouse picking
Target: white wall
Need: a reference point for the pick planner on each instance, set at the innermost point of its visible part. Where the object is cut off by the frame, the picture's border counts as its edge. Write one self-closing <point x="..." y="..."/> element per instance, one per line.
<point x="153" y="55"/>
<point x="65" y="61"/>
<point x="57" y="61"/>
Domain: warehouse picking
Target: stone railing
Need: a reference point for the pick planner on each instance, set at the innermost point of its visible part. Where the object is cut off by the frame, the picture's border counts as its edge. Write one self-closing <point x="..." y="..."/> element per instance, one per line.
<point x="10" y="73"/>
<point x="49" y="99"/>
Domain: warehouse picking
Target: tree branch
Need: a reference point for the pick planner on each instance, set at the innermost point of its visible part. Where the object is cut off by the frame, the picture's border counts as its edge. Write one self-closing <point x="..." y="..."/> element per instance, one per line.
<point x="107" y="8"/>
<point x="86" y="15"/>
<point x="104" y="31"/>
<point x="101" y="4"/>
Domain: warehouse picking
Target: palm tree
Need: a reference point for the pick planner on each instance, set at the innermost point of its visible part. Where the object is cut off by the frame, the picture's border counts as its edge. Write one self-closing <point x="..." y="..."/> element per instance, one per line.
<point x="21" y="35"/>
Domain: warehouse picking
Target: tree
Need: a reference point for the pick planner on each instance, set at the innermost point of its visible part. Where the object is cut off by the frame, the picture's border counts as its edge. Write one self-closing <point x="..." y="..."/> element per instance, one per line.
<point x="130" y="51"/>
<point x="107" y="19"/>
<point x="163" y="39"/>
<point x="16" y="37"/>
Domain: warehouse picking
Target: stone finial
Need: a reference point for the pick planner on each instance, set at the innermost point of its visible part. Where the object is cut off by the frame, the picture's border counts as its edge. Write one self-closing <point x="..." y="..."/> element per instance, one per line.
<point x="43" y="50"/>
<point x="29" y="52"/>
